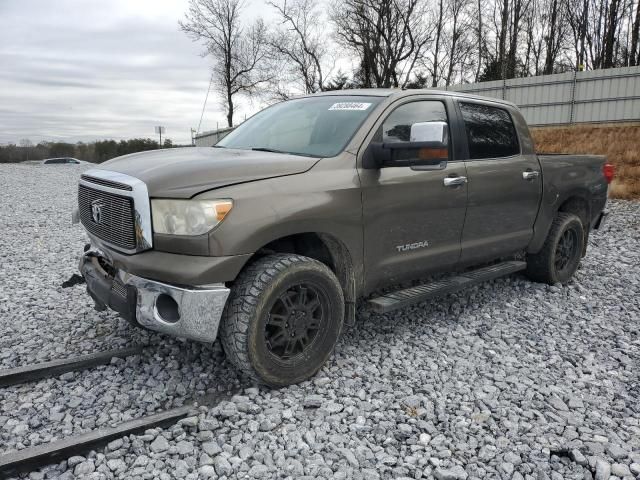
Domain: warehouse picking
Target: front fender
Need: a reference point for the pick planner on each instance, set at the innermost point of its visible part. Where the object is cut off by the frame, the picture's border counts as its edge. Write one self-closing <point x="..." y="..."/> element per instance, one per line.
<point x="324" y="200"/>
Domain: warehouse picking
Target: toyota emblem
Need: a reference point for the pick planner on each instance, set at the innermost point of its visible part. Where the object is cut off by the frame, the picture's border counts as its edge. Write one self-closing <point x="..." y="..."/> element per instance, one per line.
<point x="96" y="211"/>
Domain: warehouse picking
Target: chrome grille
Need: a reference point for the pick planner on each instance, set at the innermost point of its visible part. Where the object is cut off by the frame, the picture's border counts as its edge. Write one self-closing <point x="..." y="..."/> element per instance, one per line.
<point x="116" y="224"/>
<point x="106" y="183"/>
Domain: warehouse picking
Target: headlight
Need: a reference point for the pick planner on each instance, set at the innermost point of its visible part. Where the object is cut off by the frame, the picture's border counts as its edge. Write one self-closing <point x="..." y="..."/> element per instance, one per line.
<point x="188" y="217"/>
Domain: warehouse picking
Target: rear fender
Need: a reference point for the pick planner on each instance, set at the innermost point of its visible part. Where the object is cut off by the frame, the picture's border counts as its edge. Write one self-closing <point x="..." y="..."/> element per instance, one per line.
<point x="552" y="202"/>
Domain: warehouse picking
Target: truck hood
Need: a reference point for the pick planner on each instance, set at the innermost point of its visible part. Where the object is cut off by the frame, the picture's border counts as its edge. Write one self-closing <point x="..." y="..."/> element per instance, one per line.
<point x="185" y="172"/>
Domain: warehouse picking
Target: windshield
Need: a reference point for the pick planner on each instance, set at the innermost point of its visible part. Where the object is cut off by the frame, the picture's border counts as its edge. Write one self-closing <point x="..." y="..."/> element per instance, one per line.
<point x="313" y="126"/>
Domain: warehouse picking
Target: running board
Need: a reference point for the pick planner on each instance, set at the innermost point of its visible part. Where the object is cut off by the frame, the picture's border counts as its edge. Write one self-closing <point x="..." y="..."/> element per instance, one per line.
<point x="408" y="296"/>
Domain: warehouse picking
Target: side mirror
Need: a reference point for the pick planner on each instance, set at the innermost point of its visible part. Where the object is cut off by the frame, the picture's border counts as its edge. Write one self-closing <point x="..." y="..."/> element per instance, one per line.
<point x="430" y="132"/>
<point x="427" y="149"/>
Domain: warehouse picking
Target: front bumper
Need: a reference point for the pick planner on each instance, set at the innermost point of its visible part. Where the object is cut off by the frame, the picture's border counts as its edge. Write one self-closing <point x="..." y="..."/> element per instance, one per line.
<point x="180" y="311"/>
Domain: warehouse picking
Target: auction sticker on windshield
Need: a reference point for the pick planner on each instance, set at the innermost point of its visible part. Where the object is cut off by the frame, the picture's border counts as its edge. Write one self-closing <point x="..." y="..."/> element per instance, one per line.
<point x="350" y="106"/>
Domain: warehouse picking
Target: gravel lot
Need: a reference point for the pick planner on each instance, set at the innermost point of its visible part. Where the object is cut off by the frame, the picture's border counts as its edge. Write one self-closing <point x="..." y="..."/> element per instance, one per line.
<point x="508" y="380"/>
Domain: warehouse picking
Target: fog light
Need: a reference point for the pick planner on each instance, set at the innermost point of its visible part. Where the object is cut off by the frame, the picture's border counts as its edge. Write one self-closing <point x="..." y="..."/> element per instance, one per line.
<point x="167" y="308"/>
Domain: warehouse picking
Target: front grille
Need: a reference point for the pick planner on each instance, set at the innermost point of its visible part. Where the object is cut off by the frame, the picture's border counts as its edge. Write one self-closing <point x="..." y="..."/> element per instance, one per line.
<point x="106" y="183"/>
<point x="116" y="223"/>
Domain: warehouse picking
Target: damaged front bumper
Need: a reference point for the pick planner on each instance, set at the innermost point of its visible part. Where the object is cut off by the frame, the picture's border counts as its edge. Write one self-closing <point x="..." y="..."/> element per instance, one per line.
<point x="190" y="312"/>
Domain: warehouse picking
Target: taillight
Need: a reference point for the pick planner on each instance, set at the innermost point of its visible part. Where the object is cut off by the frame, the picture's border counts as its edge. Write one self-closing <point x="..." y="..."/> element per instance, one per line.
<point x="608" y="171"/>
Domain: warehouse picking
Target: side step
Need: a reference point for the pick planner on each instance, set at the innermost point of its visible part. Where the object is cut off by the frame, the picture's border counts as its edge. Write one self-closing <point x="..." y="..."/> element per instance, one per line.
<point x="408" y="296"/>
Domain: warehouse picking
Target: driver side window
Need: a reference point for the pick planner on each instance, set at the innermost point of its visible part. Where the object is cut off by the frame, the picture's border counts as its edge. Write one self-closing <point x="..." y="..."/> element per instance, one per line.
<point x="397" y="126"/>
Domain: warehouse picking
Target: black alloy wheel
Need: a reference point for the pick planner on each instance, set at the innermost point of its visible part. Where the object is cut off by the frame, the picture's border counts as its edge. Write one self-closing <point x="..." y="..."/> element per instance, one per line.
<point x="559" y="257"/>
<point x="294" y="321"/>
<point x="566" y="250"/>
<point x="282" y="319"/>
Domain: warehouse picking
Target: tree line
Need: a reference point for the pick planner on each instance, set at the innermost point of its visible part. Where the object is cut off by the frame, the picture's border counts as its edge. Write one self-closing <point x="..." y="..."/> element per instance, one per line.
<point x="95" y="152"/>
<point x="405" y="43"/>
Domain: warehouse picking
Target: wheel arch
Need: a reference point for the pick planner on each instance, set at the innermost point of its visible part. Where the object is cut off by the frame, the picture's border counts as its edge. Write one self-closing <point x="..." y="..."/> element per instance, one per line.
<point x="328" y="250"/>
<point x="579" y="206"/>
<point x="576" y="201"/>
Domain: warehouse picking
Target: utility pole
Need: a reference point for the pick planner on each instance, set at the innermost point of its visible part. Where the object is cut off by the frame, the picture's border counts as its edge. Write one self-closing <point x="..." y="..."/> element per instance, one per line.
<point x="160" y="130"/>
<point x="193" y="137"/>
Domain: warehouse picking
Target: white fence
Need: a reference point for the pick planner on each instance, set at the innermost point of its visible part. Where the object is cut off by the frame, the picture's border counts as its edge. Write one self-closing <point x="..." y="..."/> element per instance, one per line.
<point x="611" y="95"/>
<point x="208" y="139"/>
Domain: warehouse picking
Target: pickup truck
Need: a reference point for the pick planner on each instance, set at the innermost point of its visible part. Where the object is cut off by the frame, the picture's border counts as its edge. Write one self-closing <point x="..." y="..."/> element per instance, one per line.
<point x="270" y="239"/>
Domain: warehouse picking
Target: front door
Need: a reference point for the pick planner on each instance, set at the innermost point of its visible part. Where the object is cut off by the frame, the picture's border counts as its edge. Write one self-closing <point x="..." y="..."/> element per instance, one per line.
<point x="412" y="221"/>
<point x="505" y="185"/>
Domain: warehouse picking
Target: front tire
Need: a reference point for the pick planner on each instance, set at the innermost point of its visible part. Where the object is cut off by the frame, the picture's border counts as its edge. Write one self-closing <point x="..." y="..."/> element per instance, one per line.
<point x="560" y="255"/>
<point x="282" y="319"/>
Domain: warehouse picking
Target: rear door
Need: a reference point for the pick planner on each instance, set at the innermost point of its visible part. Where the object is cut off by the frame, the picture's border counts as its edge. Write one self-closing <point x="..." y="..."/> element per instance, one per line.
<point x="412" y="221"/>
<point x="505" y="184"/>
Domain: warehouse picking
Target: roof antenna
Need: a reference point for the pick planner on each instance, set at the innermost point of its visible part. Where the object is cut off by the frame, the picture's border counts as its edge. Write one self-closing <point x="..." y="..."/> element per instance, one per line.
<point x="204" y="104"/>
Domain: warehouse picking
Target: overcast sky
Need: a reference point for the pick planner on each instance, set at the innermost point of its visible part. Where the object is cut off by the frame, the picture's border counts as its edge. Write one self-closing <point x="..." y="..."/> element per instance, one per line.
<point x="81" y="70"/>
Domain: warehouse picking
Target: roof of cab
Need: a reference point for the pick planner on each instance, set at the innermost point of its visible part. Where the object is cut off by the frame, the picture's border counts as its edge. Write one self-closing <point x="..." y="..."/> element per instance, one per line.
<point x="398" y="92"/>
<point x="369" y="92"/>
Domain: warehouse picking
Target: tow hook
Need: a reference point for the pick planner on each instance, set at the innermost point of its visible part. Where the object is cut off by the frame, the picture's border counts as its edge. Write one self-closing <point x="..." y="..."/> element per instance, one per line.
<point x="74" y="280"/>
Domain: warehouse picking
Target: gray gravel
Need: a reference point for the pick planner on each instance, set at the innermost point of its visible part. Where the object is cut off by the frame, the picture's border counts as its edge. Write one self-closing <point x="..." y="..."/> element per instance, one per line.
<point x="511" y="379"/>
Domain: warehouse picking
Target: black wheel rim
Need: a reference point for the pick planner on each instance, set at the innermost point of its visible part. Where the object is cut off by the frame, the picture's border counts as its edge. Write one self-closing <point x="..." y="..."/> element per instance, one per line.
<point x="566" y="249"/>
<point x="294" y="322"/>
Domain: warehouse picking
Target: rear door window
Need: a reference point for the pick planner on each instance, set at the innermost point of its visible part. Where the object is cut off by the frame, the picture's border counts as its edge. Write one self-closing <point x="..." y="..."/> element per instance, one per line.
<point x="490" y="131"/>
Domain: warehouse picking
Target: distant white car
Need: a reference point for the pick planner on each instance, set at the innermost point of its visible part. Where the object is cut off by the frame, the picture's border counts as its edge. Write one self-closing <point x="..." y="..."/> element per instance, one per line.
<point x="62" y="160"/>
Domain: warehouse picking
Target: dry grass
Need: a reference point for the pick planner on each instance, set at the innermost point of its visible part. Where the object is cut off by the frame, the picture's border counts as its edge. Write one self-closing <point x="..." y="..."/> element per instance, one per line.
<point x="619" y="142"/>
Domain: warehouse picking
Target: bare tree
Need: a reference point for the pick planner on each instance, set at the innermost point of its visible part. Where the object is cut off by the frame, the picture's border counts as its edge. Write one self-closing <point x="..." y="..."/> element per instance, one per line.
<point x="577" y="18"/>
<point x="495" y="42"/>
<point x="522" y="37"/>
<point x="535" y="40"/>
<point x="238" y="51"/>
<point x="300" y="46"/>
<point x="502" y="42"/>
<point x="597" y="32"/>
<point x="458" y="46"/>
<point x="420" y="31"/>
<point x="553" y="17"/>
<point x="635" y="34"/>
<point x="439" y="27"/>
<point x="518" y="10"/>
<point x="27" y="145"/>
<point x="480" y="40"/>
<point x="383" y="35"/>
<point x="552" y="39"/>
<point x="410" y="43"/>
<point x="611" y="27"/>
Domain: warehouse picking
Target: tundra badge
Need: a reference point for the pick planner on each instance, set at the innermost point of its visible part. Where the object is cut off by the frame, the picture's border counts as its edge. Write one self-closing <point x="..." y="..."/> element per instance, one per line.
<point x="412" y="246"/>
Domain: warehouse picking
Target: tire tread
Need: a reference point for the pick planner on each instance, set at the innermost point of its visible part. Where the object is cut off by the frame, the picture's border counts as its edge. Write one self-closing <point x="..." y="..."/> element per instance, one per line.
<point x="245" y="296"/>
<point x="540" y="265"/>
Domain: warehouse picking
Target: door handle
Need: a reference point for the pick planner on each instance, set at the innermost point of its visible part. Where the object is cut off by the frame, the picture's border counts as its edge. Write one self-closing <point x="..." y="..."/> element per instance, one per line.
<point x="454" y="181"/>
<point x="530" y="174"/>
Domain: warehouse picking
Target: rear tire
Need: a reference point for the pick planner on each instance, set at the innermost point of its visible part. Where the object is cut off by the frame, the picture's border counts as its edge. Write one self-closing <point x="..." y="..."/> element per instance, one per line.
<point x="560" y="255"/>
<point x="282" y="319"/>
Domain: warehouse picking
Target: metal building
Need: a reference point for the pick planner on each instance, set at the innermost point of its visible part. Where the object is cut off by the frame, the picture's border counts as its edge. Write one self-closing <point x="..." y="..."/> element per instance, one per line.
<point x="597" y="96"/>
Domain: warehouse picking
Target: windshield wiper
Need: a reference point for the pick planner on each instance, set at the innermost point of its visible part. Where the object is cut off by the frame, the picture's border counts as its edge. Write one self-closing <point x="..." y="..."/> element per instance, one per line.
<point x="264" y="149"/>
<point x="273" y="150"/>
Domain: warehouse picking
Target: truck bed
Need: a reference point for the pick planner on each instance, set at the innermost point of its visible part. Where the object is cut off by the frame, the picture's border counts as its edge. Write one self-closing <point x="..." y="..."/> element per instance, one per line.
<point x="567" y="173"/>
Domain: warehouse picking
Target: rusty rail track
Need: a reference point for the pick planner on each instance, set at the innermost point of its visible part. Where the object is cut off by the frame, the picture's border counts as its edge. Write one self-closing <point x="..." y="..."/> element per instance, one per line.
<point x="38" y="371"/>
<point x="32" y="458"/>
